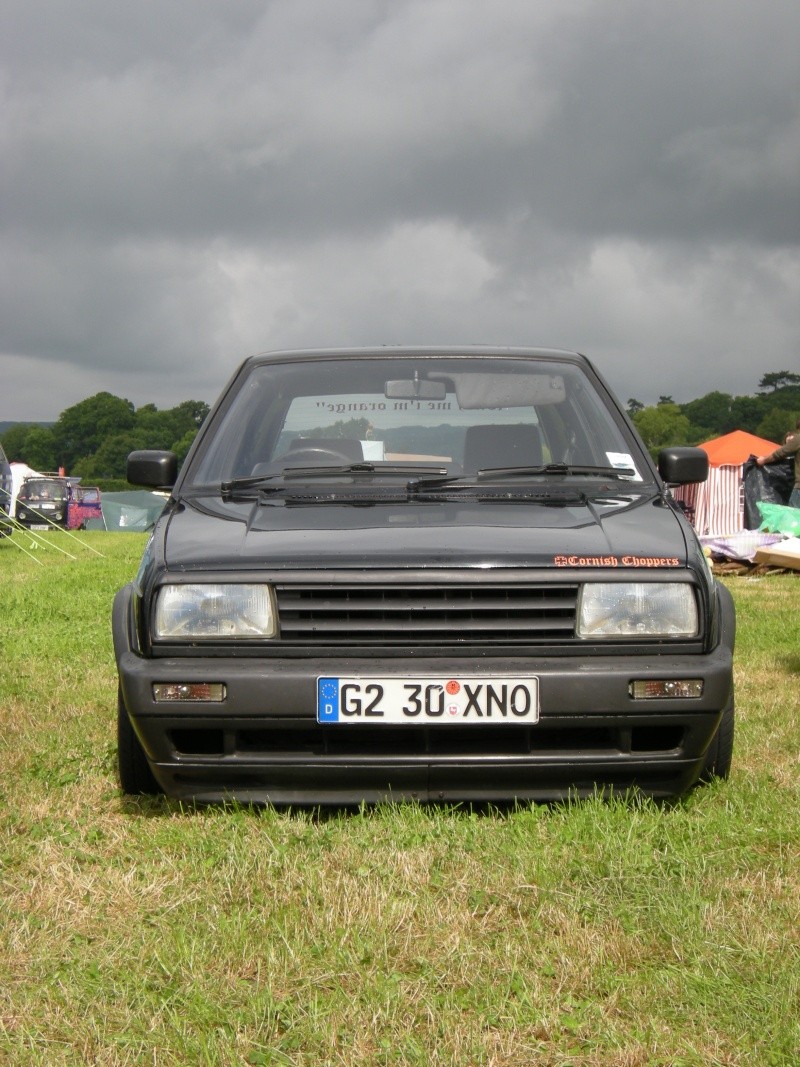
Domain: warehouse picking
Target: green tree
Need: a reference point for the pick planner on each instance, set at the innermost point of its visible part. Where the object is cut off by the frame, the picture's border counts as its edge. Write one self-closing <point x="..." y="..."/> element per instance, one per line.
<point x="155" y="428"/>
<point x="111" y="458"/>
<point x="40" y="449"/>
<point x="776" y="424"/>
<point x="14" y="442"/>
<point x="710" y="415"/>
<point x="662" y="425"/>
<point x="165" y="429"/>
<point x="634" y="406"/>
<point x="192" y="412"/>
<point x="82" y="428"/>
<point x="747" y="412"/>
<point x="182" y="446"/>
<point x="778" y="380"/>
<point x="32" y="444"/>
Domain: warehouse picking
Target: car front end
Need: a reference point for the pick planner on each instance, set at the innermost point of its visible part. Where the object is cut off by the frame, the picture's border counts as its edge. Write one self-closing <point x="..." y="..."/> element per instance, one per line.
<point x="477" y="634"/>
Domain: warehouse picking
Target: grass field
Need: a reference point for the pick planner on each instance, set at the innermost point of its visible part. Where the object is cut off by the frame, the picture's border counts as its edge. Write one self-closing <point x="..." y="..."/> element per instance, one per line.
<point x="596" y="934"/>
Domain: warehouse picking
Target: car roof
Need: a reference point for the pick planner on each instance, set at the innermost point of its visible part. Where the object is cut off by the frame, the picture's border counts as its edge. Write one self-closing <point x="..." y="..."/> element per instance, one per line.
<point x="418" y="351"/>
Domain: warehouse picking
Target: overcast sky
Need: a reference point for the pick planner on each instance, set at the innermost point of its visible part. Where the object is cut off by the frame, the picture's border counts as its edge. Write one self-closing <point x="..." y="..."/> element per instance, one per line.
<point x="186" y="182"/>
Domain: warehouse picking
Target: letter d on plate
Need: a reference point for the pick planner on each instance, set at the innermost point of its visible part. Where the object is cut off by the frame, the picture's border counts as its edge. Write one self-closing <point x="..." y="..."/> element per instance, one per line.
<point x="327" y="700"/>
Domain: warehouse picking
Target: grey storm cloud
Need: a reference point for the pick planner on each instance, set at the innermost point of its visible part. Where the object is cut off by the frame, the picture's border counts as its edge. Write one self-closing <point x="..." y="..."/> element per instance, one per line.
<point x="187" y="182"/>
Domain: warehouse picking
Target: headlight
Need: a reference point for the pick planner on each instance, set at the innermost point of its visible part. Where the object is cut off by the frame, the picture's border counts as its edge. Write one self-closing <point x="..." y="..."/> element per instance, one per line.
<point x="219" y="610"/>
<point x="637" y="609"/>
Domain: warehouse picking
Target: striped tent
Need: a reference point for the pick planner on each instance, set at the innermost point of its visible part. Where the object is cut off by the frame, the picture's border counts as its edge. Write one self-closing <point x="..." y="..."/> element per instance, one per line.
<point x="717" y="505"/>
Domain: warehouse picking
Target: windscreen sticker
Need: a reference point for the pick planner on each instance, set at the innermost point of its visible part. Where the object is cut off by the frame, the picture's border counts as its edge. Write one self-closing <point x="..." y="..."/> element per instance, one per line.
<point x="623" y="459"/>
<point x="616" y="561"/>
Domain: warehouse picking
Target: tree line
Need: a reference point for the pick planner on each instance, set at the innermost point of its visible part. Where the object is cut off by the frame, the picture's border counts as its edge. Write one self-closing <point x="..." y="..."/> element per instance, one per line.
<point x="770" y="413"/>
<point x="92" y="438"/>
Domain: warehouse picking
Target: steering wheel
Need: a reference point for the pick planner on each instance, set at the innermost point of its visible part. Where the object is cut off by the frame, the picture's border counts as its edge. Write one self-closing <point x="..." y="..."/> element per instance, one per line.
<point x="302" y="457"/>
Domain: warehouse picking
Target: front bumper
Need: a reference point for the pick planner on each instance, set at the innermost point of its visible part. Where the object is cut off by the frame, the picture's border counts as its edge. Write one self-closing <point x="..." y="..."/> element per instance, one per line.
<point x="263" y="744"/>
<point x="40" y="520"/>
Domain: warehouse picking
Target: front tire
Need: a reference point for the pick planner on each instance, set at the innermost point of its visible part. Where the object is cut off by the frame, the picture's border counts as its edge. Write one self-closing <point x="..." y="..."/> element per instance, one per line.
<point x="720" y="752"/>
<point x="135" y="775"/>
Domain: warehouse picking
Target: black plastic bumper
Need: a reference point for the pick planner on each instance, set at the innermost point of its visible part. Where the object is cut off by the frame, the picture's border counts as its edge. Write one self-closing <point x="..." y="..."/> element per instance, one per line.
<point x="263" y="744"/>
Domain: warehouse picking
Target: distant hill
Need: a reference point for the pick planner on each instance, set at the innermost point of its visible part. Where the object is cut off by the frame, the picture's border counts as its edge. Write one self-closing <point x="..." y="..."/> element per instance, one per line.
<point x="7" y="425"/>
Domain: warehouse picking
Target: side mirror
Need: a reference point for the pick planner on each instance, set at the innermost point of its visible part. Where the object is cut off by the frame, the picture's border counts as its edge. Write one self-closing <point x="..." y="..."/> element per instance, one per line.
<point x="682" y="466"/>
<point x="152" y="467"/>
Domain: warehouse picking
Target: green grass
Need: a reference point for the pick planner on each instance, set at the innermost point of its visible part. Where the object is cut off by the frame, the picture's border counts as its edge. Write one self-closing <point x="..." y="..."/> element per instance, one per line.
<point x="598" y="933"/>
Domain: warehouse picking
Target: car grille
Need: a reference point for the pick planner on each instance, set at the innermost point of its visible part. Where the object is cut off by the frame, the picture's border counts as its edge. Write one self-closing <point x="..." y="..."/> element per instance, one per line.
<point x="426" y="615"/>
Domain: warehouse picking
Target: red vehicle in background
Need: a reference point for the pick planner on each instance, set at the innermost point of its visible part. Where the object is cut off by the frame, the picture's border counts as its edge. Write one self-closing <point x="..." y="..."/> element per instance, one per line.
<point x="44" y="501"/>
<point x="83" y="504"/>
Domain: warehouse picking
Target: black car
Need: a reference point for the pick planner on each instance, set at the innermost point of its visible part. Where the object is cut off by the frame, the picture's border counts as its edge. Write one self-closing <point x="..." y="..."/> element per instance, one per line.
<point x="449" y="574"/>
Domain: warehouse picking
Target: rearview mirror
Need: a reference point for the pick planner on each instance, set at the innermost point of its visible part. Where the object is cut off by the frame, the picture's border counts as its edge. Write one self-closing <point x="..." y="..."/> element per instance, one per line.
<point x="414" y="389"/>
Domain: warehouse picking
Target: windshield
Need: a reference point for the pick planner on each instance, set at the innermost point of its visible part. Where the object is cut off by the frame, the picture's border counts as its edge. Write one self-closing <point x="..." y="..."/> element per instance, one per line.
<point x="34" y="489"/>
<point x="453" y="414"/>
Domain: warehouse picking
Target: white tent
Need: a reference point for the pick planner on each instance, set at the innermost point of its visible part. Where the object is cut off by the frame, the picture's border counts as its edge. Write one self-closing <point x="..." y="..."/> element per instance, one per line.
<point x="19" y="472"/>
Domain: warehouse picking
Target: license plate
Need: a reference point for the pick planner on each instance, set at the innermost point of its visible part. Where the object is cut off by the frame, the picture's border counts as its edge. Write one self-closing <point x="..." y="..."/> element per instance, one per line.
<point x="428" y="701"/>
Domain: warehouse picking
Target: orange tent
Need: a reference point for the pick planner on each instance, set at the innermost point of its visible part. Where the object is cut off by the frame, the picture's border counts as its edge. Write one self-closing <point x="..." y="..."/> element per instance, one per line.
<point x="736" y="448"/>
<point x="717" y="505"/>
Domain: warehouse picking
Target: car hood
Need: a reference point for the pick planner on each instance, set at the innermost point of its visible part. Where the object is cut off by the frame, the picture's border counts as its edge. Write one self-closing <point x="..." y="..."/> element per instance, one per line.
<point x="630" y="530"/>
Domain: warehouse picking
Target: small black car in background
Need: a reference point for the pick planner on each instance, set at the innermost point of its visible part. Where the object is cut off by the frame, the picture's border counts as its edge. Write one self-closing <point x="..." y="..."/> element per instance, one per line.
<point x="42" y="502"/>
<point x="449" y="574"/>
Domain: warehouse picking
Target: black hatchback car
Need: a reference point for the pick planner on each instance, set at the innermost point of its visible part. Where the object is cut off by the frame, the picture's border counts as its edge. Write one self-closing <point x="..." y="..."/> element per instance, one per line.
<point x="449" y="574"/>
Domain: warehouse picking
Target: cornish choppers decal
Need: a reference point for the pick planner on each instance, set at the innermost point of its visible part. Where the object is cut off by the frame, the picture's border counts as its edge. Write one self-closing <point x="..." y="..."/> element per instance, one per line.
<point x="616" y="561"/>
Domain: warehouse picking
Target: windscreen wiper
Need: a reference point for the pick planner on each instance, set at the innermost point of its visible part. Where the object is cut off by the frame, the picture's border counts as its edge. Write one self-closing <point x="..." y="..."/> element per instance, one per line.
<point x="566" y="470"/>
<point x="275" y="482"/>
<point x="400" y="469"/>
<point x="253" y="481"/>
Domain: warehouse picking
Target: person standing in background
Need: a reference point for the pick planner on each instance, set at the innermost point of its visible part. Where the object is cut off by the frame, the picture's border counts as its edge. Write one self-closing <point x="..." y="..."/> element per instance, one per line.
<point x="790" y="448"/>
